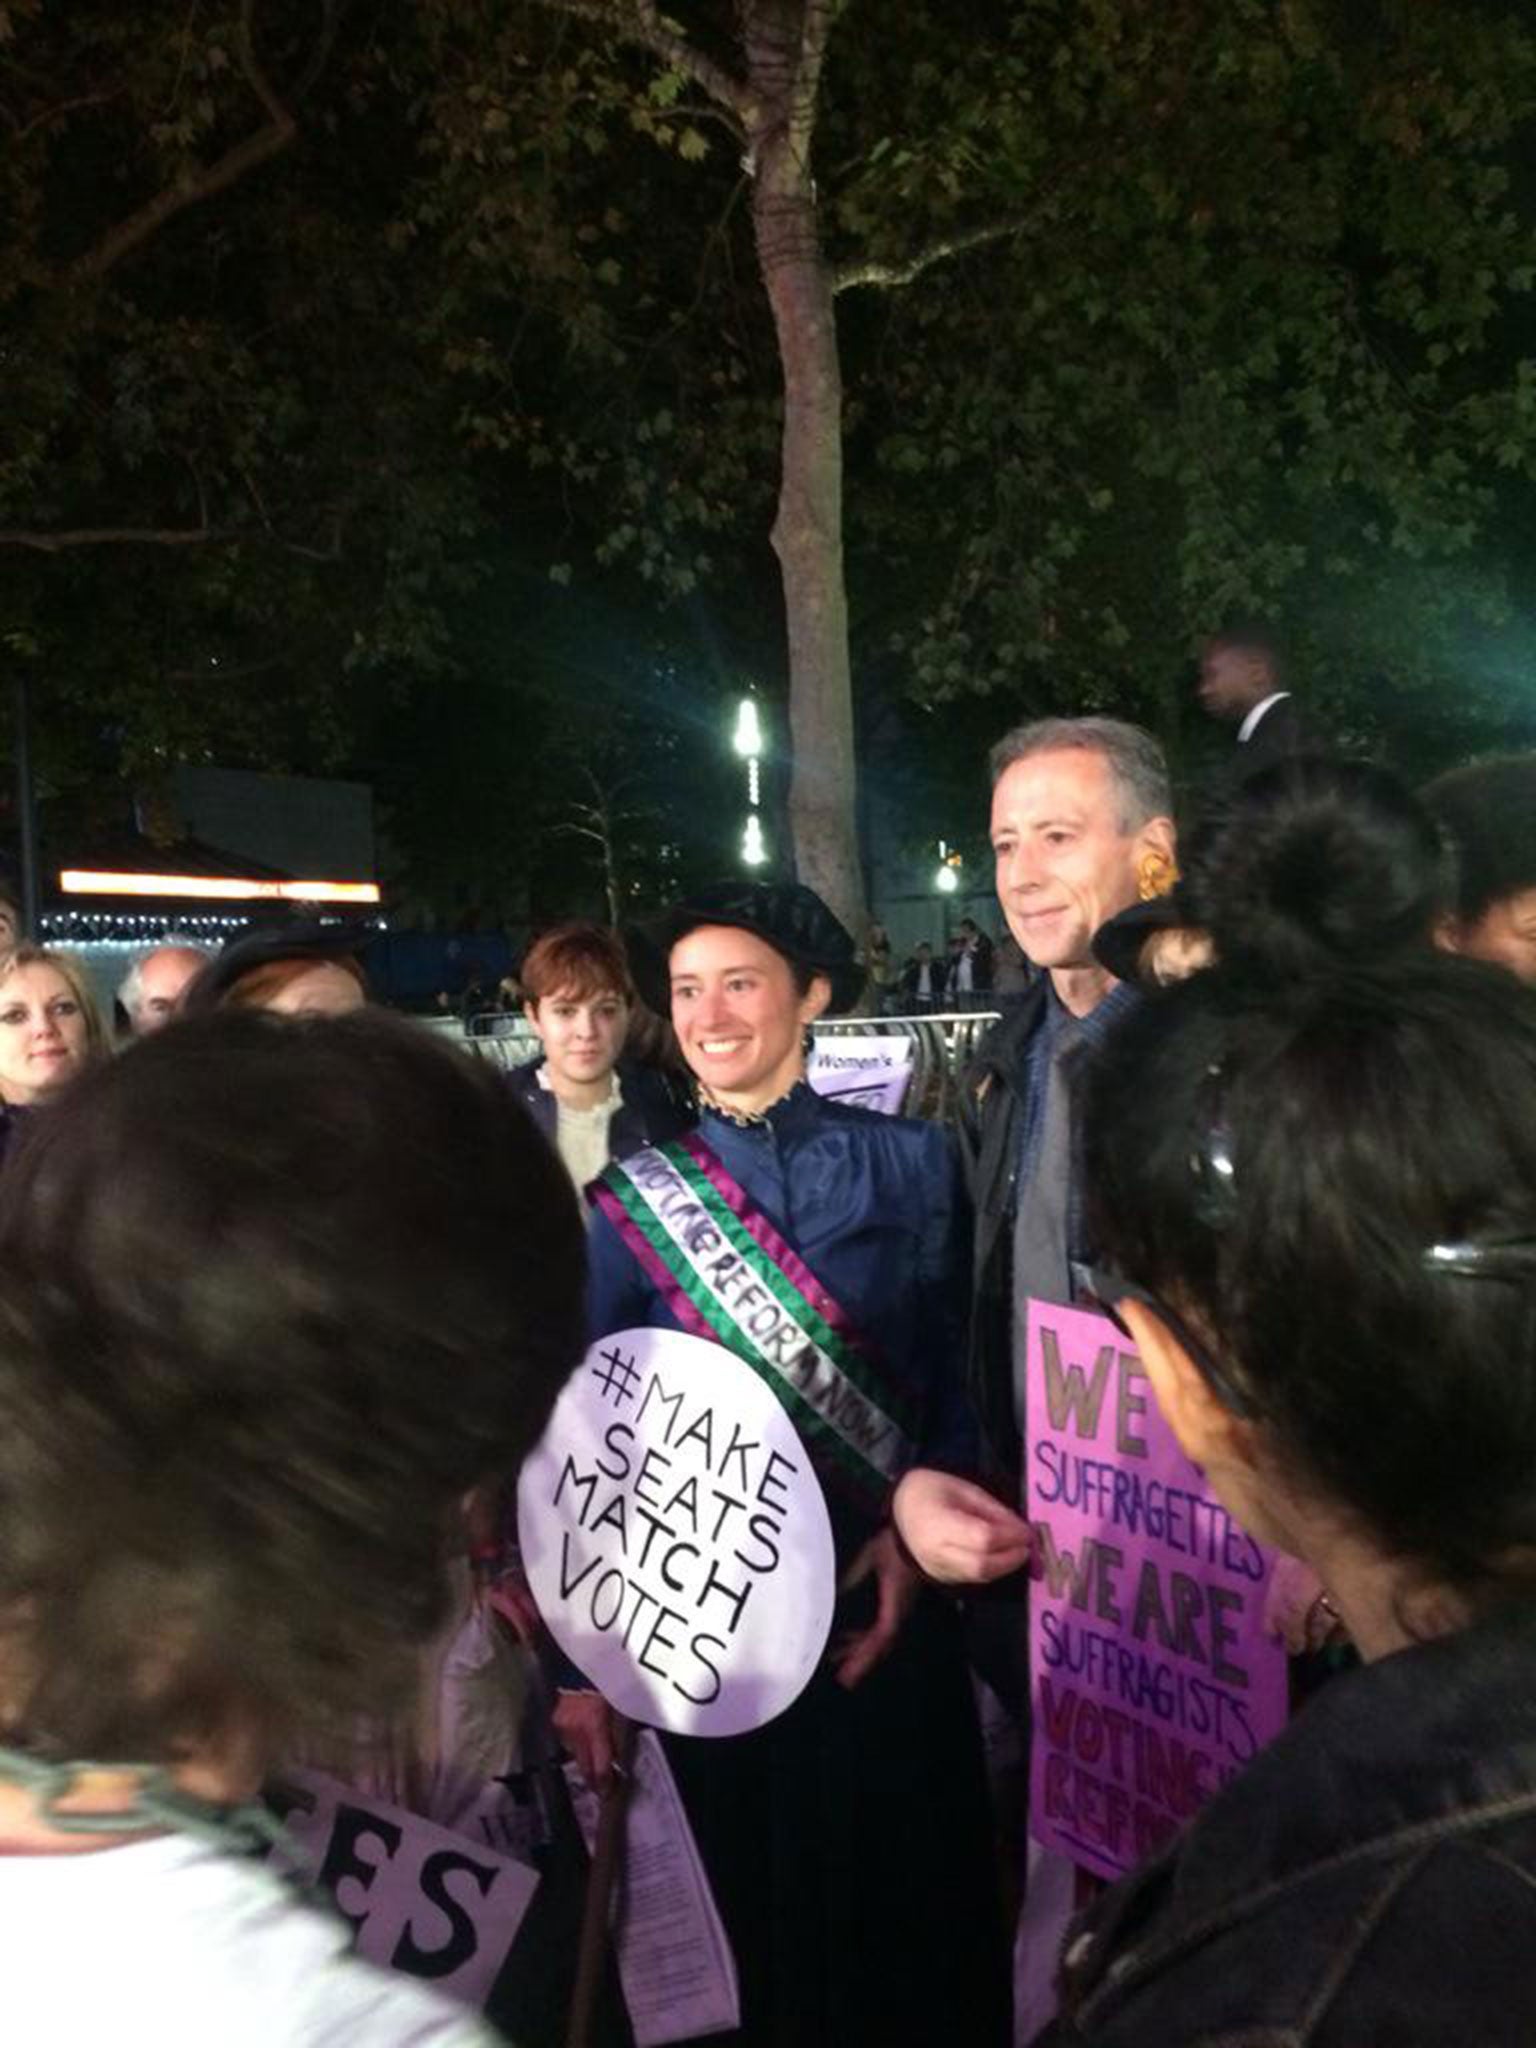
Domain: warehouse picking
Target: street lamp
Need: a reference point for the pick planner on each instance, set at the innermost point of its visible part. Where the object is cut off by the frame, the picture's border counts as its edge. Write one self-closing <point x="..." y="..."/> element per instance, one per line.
<point x="749" y="732"/>
<point x="748" y="742"/>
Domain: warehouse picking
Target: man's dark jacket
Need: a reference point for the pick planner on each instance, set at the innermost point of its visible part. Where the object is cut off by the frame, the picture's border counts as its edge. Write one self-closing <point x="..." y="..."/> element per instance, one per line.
<point x="981" y="952"/>
<point x="1280" y="735"/>
<point x="938" y="975"/>
<point x="1369" y="1881"/>
<point x="990" y="1124"/>
<point x="652" y="1112"/>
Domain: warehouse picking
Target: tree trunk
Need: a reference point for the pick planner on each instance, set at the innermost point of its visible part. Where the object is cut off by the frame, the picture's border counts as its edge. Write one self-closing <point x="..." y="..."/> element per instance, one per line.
<point x="808" y="527"/>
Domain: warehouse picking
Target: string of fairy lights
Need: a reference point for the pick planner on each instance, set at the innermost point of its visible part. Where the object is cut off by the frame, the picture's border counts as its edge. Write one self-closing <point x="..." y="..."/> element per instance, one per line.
<point x="176" y="907"/>
<point x="109" y="932"/>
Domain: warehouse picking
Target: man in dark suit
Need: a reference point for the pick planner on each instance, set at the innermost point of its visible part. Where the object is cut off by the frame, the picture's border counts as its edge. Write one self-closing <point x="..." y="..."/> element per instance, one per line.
<point x="922" y="979"/>
<point x="970" y="964"/>
<point x="1242" y="680"/>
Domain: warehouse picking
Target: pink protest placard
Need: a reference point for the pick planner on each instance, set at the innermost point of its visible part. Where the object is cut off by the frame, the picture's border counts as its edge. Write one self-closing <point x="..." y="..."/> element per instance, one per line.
<point x="1152" y="1674"/>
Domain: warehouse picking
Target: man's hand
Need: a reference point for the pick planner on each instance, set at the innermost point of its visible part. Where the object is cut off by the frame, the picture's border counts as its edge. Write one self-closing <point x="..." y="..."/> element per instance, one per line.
<point x="587" y="1726"/>
<point x="855" y="1653"/>
<point x="956" y="1531"/>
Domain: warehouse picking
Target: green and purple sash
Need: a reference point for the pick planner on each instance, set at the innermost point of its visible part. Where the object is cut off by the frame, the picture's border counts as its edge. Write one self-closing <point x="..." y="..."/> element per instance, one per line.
<point x="727" y="1274"/>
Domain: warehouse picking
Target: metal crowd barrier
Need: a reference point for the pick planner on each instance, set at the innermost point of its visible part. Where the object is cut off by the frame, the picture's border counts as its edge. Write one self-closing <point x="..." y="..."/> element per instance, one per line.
<point x="942" y="1047"/>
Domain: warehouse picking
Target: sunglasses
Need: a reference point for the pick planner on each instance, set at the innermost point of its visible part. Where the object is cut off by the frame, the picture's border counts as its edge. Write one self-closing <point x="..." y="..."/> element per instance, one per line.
<point x="1109" y="1288"/>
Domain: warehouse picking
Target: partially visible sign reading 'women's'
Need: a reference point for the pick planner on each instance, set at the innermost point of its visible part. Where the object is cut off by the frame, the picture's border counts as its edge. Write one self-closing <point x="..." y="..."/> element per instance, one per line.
<point x="1153" y="1676"/>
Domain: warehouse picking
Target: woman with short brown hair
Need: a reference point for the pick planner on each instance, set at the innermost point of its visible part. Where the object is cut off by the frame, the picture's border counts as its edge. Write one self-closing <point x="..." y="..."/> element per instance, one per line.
<point x="591" y="1103"/>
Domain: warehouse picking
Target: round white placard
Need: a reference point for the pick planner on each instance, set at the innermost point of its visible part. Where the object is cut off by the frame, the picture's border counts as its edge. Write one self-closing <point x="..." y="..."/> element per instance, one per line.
<point x="675" y="1535"/>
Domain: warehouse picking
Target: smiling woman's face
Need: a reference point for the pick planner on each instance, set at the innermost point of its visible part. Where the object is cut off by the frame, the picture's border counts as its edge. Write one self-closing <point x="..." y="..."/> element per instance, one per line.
<point x="43" y="1033"/>
<point x="738" y="1016"/>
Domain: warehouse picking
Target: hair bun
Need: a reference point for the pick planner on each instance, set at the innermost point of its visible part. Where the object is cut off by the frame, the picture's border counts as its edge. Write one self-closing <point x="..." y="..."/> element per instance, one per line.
<point x="1315" y="865"/>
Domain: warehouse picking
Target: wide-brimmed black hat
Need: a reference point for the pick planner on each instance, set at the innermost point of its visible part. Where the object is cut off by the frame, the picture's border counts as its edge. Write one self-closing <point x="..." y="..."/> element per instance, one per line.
<point x="785" y="915"/>
<point x="301" y="940"/>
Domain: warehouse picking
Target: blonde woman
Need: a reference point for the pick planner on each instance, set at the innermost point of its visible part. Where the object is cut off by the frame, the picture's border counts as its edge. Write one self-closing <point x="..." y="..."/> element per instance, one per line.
<point x="50" y="1028"/>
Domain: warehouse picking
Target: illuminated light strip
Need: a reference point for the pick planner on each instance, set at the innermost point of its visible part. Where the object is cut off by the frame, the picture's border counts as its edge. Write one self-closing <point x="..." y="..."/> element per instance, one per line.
<point x="229" y="888"/>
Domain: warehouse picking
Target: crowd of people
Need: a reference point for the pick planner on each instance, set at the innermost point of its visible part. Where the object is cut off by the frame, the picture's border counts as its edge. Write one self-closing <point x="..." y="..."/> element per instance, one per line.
<point x="971" y="971"/>
<point x="288" y="1291"/>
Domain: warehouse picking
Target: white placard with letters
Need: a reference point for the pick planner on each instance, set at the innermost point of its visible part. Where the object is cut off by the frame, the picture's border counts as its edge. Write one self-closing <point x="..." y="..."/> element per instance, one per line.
<point x="675" y="1535"/>
<point x="675" y="1962"/>
<point x="873" y="1072"/>
<point x="419" y="1899"/>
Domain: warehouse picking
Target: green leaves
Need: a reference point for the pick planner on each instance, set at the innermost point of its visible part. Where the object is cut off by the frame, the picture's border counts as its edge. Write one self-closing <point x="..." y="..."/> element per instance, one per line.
<point x="1259" y="337"/>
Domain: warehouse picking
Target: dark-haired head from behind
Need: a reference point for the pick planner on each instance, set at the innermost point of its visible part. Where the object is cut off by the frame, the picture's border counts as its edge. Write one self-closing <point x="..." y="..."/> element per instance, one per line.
<point x="1275" y="1160"/>
<point x="275" y="1297"/>
<point x="1487" y="811"/>
<point x="1315" y="862"/>
<point x="1311" y="862"/>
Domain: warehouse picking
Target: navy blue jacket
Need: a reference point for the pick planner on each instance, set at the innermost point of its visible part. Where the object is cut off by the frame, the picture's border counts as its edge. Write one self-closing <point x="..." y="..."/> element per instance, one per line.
<point x="650" y="1114"/>
<point x="872" y="1205"/>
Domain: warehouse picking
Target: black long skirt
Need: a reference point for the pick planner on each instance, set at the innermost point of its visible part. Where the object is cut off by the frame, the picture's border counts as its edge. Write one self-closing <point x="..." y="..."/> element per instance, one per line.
<point x="849" y="1848"/>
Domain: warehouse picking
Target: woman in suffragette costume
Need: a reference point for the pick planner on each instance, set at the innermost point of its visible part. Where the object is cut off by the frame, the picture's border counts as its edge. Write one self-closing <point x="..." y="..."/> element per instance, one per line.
<point x="847" y="1841"/>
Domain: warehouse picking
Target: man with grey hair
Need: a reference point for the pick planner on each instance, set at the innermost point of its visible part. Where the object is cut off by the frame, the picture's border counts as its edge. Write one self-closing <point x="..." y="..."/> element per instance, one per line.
<point x="151" y="989"/>
<point x="1081" y="828"/>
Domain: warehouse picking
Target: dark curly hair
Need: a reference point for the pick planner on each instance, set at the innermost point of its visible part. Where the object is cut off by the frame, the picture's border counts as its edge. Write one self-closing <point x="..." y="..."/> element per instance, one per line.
<point x="1274" y="1154"/>
<point x="1316" y="861"/>
<point x="275" y="1296"/>
<point x="1488" y="812"/>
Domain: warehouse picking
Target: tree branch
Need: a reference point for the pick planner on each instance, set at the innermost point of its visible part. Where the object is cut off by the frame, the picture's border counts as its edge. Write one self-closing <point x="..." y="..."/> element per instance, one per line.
<point x="319" y="56"/>
<point x="576" y="831"/>
<point x="21" y="130"/>
<point x="639" y="22"/>
<point x="853" y="276"/>
<point x="255" y="71"/>
<point x="61" y="541"/>
<point x="196" y="185"/>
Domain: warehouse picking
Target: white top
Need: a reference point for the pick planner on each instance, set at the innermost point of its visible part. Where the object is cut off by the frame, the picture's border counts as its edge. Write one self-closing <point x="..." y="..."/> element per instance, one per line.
<point x="166" y="1943"/>
<point x="1250" y="724"/>
<point x="581" y="1135"/>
